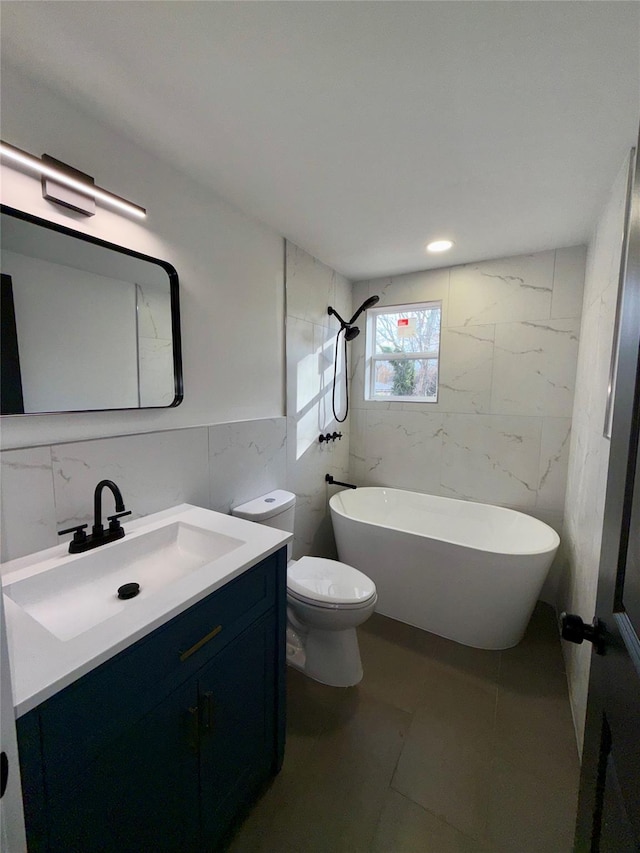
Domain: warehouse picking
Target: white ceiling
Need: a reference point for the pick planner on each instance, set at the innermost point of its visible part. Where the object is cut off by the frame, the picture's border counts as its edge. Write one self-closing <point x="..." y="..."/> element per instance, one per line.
<point x="360" y="130"/>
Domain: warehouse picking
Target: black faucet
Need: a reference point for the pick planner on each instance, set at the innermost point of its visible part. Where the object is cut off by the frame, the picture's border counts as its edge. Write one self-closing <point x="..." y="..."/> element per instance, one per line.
<point x="98" y="536"/>
<point x="97" y="529"/>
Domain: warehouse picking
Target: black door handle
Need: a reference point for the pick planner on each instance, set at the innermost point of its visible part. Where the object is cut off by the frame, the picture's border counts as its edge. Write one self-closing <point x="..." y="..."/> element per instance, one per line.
<point x="574" y="630"/>
<point x="4" y="773"/>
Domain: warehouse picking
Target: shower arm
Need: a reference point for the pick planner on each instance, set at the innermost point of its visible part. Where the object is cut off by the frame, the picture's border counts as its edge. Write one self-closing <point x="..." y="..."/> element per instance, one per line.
<point x="368" y="303"/>
<point x="333" y="311"/>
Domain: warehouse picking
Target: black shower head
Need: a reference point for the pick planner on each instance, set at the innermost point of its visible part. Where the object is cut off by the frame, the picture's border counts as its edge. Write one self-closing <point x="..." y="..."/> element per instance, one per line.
<point x="351" y="332"/>
<point x="368" y="303"/>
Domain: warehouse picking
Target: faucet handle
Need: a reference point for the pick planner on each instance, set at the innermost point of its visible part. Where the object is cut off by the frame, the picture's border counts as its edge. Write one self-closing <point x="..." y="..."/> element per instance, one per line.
<point x="114" y="524"/>
<point x="79" y="535"/>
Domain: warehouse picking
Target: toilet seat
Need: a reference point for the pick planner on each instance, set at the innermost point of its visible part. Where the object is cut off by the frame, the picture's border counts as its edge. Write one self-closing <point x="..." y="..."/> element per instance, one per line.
<point x="329" y="583"/>
<point x="319" y="605"/>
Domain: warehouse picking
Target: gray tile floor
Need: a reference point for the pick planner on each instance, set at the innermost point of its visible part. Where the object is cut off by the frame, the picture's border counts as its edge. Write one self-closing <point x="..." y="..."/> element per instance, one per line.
<point x="440" y="748"/>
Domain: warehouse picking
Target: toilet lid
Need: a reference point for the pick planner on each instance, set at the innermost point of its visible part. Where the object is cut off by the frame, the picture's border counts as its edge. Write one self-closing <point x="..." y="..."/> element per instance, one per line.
<point x="329" y="581"/>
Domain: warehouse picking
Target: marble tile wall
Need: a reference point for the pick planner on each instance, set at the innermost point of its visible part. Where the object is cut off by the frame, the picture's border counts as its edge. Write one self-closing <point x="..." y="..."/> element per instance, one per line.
<point x="500" y="430"/>
<point x="589" y="450"/>
<point x="44" y="489"/>
<point x="246" y="459"/>
<point x="310" y="340"/>
<point x="155" y="347"/>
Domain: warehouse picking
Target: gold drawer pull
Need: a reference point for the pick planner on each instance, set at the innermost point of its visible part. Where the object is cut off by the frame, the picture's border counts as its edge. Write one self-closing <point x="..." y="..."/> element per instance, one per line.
<point x="200" y="643"/>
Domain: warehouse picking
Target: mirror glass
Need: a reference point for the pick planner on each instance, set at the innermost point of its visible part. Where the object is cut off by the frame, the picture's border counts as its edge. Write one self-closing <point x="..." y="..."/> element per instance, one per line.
<point x="86" y="325"/>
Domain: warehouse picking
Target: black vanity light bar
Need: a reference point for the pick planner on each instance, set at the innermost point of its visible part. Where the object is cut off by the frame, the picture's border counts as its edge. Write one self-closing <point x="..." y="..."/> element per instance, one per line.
<point x="16" y="155"/>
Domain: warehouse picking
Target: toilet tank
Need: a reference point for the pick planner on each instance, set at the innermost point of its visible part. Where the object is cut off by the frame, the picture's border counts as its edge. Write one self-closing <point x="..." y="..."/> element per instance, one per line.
<point x="275" y="509"/>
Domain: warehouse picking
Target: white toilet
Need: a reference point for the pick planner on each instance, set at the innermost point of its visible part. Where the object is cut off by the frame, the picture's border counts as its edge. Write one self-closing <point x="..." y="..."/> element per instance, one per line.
<point x="326" y="601"/>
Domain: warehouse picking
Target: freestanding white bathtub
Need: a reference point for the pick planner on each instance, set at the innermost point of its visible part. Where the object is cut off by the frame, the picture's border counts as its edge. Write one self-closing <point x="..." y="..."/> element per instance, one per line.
<point x="466" y="571"/>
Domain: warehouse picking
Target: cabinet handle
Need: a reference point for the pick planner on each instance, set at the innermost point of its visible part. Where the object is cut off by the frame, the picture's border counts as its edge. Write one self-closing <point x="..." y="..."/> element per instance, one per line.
<point x="200" y="643"/>
<point x="192" y="729"/>
<point x="207" y="711"/>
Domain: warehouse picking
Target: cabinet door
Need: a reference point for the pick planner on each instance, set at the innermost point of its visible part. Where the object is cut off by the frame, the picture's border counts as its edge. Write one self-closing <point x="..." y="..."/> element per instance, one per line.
<point x="140" y="795"/>
<point x="238" y="726"/>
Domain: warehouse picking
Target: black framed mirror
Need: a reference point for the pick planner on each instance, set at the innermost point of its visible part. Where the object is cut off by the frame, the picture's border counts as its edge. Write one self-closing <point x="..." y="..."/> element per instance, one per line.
<point x="86" y="325"/>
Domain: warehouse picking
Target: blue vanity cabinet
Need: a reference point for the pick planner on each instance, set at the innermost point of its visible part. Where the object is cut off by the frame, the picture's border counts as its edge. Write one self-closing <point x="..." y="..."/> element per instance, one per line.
<point x="140" y="794"/>
<point x="163" y="746"/>
<point x="235" y="730"/>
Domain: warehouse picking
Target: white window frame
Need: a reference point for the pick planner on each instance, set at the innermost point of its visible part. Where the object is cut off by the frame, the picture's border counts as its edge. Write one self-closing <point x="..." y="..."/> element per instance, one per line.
<point x="371" y="356"/>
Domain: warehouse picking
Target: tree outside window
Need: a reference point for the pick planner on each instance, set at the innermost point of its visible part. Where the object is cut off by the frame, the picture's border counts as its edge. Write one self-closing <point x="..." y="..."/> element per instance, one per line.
<point x="403" y="346"/>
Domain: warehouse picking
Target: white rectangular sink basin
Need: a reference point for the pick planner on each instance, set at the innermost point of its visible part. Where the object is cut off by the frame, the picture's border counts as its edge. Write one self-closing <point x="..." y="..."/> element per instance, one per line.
<point x="64" y="617"/>
<point x="81" y="591"/>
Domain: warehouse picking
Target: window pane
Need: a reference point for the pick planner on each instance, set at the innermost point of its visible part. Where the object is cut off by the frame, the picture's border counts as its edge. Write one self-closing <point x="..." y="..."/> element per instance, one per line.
<point x="411" y="377"/>
<point x="411" y="330"/>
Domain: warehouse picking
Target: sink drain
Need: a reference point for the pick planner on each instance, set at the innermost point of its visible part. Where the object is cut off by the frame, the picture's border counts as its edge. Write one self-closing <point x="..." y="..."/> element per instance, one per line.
<point x="128" y="590"/>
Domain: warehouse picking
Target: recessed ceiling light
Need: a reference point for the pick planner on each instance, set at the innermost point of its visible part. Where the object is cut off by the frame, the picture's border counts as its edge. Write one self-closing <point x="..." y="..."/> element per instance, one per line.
<point x="439" y="245"/>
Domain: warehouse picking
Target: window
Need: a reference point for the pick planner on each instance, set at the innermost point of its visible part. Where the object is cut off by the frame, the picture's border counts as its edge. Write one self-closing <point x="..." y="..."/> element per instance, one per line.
<point x="403" y="347"/>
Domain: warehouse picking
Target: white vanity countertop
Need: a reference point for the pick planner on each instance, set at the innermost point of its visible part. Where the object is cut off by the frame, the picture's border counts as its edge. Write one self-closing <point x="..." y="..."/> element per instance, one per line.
<point x="42" y="664"/>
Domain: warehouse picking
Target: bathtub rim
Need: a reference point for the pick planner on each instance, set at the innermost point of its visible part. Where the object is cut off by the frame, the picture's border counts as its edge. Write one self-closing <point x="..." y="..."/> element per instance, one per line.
<point x="333" y="500"/>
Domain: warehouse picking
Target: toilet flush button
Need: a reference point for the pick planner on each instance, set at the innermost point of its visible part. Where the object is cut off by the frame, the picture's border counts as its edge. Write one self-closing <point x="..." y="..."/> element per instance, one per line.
<point x="269" y="500"/>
